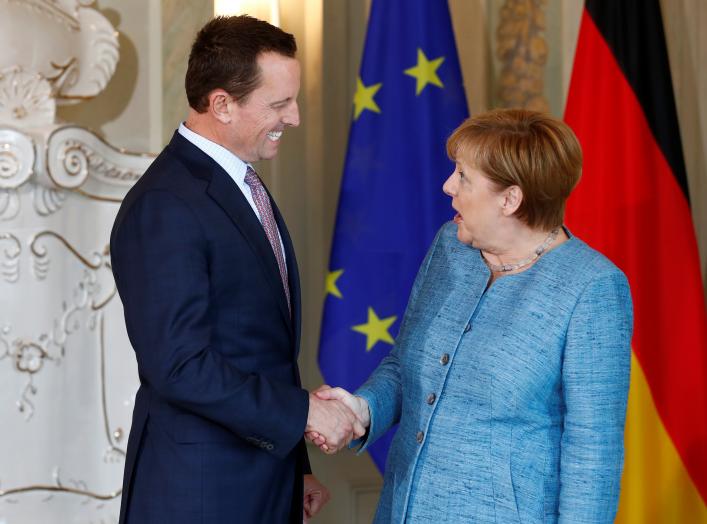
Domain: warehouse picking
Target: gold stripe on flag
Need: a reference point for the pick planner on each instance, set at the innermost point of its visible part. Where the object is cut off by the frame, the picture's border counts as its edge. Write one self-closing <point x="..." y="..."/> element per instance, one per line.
<point x="656" y="487"/>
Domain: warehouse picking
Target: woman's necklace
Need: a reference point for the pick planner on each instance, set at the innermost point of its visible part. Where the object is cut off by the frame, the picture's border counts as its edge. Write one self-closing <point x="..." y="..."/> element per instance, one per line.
<point x="505" y="268"/>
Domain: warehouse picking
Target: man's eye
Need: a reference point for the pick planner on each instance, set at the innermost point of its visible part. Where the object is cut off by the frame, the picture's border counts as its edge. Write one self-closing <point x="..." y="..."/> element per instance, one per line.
<point x="461" y="175"/>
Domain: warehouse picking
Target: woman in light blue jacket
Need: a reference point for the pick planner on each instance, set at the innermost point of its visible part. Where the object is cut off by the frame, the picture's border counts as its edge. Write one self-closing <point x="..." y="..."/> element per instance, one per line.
<point x="510" y="374"/>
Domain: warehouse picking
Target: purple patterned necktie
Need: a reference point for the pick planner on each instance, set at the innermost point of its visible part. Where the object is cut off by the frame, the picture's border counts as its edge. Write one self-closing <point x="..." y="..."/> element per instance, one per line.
<point x="267" y="219"/>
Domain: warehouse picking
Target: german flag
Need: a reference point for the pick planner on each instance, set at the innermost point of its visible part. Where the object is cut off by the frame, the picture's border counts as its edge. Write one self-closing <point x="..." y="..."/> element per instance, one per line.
<point x="633" y="205"/>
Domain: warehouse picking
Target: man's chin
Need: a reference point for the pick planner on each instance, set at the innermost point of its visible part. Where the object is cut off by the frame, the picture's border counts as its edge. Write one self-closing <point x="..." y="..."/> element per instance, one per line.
<point x="268" y="154"/>
<point x="270" y="148"/>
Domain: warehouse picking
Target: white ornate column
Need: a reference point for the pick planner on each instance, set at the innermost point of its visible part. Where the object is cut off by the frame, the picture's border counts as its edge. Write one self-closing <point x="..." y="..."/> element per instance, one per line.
<point x="67" y="375"/>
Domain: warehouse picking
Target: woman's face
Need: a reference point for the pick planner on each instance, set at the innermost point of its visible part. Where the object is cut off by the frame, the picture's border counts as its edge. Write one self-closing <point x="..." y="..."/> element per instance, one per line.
<point x="477" y="202"/>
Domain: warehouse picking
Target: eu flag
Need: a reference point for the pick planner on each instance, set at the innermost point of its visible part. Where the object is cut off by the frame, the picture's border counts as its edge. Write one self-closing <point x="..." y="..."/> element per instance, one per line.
<point x="409" y="98"/>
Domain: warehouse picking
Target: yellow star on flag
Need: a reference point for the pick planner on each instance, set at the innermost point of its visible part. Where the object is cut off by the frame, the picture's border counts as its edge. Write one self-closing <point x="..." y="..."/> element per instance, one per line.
<point x="331" y="279"/>
<point x="376" y="329"/>
<point x="425" y="71"/>
<point x="363" y="99"/>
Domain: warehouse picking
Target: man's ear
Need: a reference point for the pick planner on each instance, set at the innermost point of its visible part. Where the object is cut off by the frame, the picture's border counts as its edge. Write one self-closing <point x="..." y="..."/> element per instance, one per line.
<point x="512" y="198"/>
<point x="220" y="105"/>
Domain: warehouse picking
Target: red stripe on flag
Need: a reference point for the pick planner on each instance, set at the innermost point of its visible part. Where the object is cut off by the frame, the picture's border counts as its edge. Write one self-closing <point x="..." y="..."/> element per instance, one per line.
<point x="629" y="206"/>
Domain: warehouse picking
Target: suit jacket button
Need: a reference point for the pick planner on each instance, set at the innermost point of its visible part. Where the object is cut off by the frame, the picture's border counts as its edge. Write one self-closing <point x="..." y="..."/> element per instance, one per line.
<point x="431" y="398"/>
<point x="445" y="359"/>
<point x="420" y="437"/>
<point x="270" y="447"/>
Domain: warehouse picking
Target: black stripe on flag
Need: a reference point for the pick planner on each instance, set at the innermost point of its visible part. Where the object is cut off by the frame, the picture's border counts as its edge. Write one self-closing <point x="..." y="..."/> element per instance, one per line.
<point x="633" y="29"/>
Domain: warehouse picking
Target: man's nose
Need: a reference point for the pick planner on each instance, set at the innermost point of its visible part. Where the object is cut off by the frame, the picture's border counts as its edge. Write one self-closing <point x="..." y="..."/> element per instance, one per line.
<point x="292" y="116"/>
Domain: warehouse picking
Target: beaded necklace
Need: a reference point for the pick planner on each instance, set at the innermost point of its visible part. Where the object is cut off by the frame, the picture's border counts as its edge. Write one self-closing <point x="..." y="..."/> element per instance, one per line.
<point x="505" y="268"/>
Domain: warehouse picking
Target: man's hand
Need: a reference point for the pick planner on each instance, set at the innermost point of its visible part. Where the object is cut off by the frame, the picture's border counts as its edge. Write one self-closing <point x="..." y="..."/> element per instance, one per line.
<point x="315" y="497"/>
<point x="357" y="405"/>
<point x="333" y="421"/>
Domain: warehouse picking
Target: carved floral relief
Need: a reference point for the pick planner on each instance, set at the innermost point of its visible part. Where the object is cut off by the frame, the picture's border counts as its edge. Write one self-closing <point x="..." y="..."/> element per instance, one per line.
<point x="67" y="373"/>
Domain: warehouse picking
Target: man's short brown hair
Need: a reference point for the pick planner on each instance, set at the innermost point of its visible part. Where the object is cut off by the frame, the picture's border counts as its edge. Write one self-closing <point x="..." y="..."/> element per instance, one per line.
<point x="528" y="149"/>
<point x="225" y="53"/>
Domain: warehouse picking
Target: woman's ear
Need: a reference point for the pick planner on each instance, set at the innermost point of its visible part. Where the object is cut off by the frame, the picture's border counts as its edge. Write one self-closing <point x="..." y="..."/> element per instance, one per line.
<point x="220" y="104"/>
<point x="512" y="198"/>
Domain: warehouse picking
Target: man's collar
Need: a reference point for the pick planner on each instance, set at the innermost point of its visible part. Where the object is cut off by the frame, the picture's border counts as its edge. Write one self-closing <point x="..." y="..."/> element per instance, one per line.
<point x="234" y="166"/>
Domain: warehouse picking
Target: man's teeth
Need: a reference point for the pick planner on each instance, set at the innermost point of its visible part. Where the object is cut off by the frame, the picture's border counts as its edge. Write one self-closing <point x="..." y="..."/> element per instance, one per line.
<point x="274" y="135"/>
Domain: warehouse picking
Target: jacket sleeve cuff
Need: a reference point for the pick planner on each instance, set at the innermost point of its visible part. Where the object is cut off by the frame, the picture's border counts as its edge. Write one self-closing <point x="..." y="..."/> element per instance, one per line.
<point x="377" y="426"/>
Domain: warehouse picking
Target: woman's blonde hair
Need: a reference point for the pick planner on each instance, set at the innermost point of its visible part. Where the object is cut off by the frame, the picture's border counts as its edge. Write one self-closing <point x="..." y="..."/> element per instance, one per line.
<point x="528" y="149"/>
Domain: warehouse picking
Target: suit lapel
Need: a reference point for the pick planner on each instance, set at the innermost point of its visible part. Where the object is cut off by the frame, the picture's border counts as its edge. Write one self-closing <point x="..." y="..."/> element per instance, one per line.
<point x="292" y="272"/>
<point x="227" y="195"/>
<point x="224" y="191"/>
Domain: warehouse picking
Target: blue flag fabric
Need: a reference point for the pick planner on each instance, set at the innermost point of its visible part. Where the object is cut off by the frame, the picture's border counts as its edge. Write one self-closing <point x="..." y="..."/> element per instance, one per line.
<point x="409" y="98"/>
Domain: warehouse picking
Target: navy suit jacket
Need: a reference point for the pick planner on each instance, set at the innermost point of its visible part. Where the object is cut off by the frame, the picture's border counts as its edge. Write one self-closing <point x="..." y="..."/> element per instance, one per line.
<point x="220" y="413"/>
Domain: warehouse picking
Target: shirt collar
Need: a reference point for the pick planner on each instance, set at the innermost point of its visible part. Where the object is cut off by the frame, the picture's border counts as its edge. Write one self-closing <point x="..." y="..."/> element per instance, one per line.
<point x="234" y="166"/>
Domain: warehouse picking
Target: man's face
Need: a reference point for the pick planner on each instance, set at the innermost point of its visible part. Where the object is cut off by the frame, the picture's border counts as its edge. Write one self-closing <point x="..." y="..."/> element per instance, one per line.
<point x="258" y="123"/>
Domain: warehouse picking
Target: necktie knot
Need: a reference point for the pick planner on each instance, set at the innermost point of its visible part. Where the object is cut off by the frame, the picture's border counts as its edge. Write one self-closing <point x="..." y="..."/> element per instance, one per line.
<point x="251" y="178"/>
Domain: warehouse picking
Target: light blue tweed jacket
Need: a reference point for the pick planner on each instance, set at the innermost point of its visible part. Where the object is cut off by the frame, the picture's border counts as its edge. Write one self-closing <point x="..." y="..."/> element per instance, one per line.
<point x="512" y="402"/>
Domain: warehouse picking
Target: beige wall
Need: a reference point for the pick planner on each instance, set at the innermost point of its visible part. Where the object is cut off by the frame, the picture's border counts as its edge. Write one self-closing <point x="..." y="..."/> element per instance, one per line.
<point x="181" y="19"/>
<point x="144" y="102"/>
<point x="685" y="22"/>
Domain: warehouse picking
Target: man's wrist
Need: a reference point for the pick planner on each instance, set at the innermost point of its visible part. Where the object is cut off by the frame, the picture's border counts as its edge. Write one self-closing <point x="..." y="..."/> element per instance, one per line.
<point x="310" y="408"/>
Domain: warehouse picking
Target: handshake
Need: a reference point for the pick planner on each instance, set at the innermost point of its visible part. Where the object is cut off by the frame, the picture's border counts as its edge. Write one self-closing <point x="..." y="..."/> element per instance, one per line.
<point x="336" y="417"/>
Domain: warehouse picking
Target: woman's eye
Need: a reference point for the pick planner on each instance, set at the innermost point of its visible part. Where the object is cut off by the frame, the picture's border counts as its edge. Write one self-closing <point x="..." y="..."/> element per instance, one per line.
<point x="461" y="175"/>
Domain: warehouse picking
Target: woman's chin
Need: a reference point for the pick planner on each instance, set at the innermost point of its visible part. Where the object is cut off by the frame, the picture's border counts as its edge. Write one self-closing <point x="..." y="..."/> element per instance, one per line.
<point x="464" y="236"/>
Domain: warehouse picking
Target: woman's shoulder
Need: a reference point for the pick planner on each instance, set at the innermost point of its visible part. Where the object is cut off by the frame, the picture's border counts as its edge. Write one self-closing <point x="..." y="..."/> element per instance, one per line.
<point x="585" y="264"/>
<point x="576" y="271"/>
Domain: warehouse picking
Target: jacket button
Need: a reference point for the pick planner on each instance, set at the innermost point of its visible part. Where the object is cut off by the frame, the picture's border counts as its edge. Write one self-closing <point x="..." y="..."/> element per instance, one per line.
<point x="431" y="398"/>
<point x="467" y="328"/>
<point x="420" y="437"/>
<point x="445" y="359"/>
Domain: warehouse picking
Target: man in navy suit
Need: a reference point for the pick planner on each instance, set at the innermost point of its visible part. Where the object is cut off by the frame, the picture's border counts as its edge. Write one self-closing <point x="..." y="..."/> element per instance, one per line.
<point x="208" y="278"/>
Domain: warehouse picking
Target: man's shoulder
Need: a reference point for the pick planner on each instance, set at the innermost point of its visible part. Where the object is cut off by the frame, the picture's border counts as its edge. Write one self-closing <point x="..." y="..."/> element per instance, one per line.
<point x="168" y="179"/>
<point x="168" y="172"/>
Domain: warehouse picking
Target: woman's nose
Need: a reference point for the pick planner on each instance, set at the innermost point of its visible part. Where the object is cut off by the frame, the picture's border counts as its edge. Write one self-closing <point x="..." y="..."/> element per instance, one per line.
<point x="448" y="186"/>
